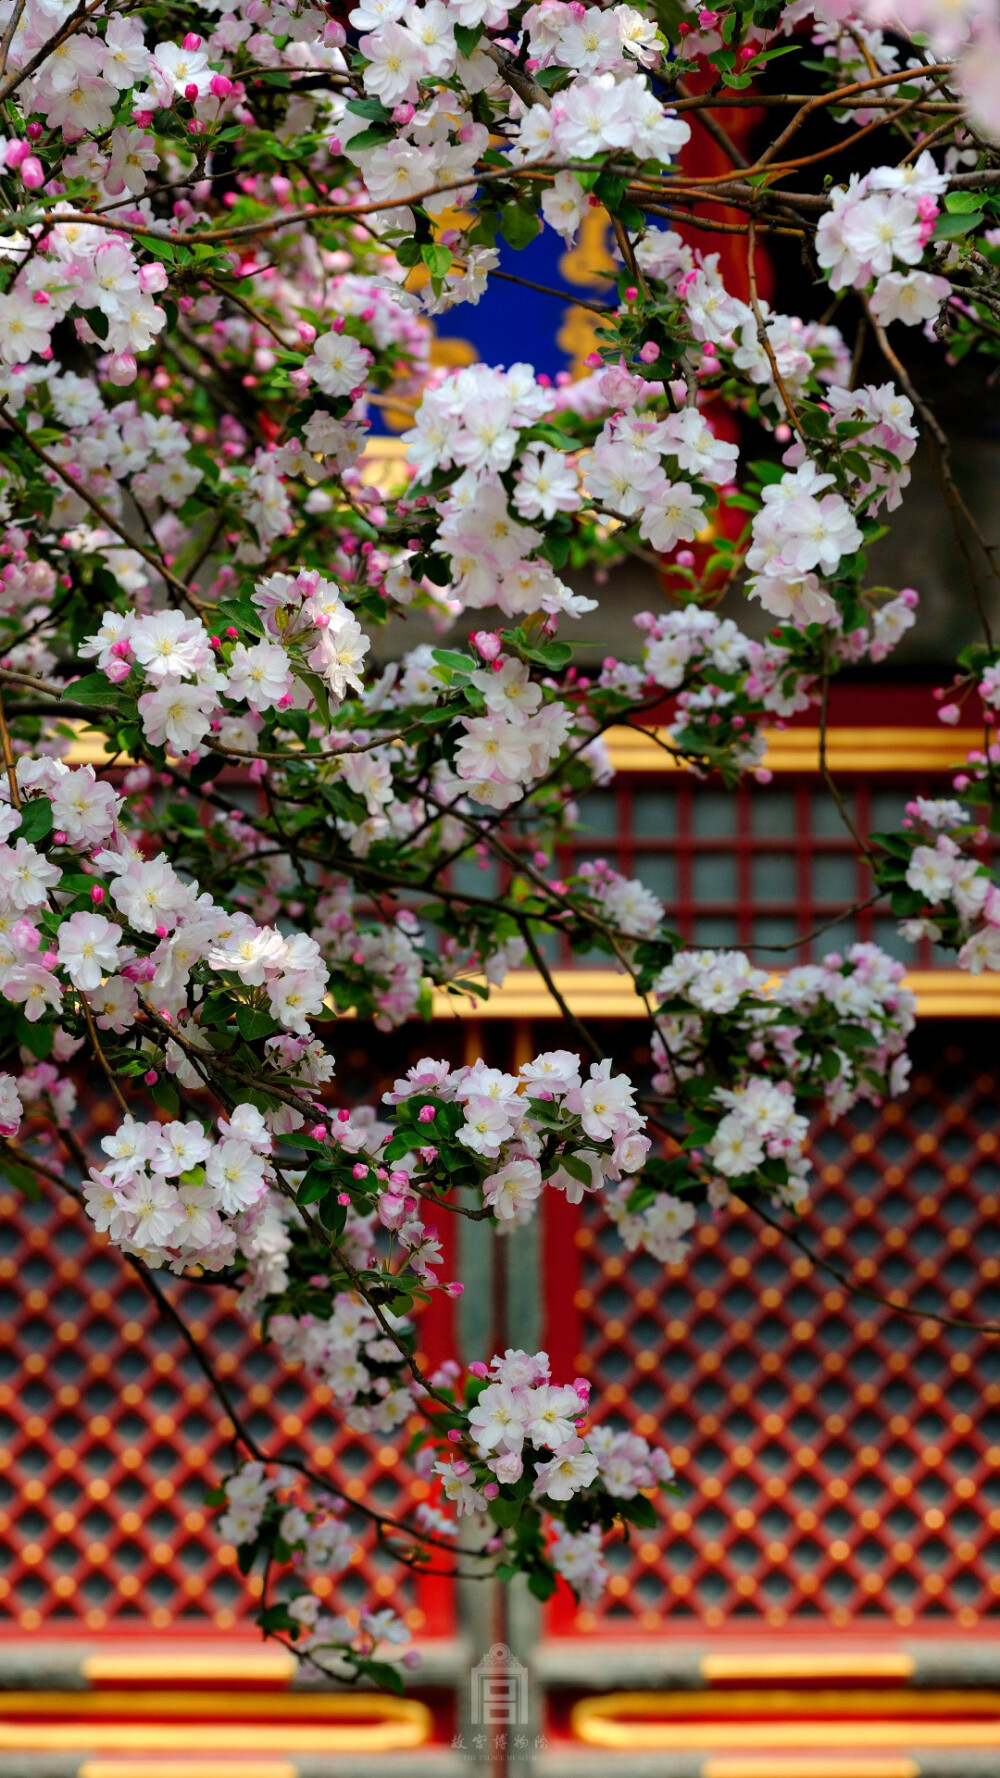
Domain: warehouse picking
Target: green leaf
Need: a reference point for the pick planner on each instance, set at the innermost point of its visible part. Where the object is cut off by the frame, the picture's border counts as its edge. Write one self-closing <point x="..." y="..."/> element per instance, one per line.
<point x="466" y="37"/>
<point x="452" y="660"/>
<point x="948" y="228"/>
<point x="639" y="1511"/>
<point x="371" y="108"/>
<point x="21" y="1178"/>
<point x="376" y="137"/>
<point x="542" y="1584"/>
<point x="36" y="819"/>
<point x="314" y="1187"/>
<point x="964" y="203"/>
<point x="518" y="225"/>
<point x="253" y="1022"/>
<point x="383" y="1674"/>
<point x="437" y="259"/>
<point x="93" y="688"/>
<point x="505" y="1512"/>
<point x="163" y="1095"/>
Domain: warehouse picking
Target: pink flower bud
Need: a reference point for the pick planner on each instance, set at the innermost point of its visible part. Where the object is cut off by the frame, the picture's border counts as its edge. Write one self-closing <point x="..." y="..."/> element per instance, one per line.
<point x="594" y="360"/>
<point x="306" y="332"/>
<point x="16" y="153"/>
<point x="192" y="41"/>
<point x="49" y="959"/>
<point x="122" y="369"/>
<point x="478" y="1369"/>
<point x="151" y="1077"/>
<point x="631" y="293"/>
<point x="949" y="713"/>
<point x="152" y="277"/>
<point x="491" y="1490"/>
<point x="97" y="895"/>
<point x="191" y="91"/>
<point x="454" y="1436"/>
<point x="220" y="86"/>
<point x="34" y="133"/>
<point x="161" y="932"/>
<point x="359" y="1170"/>
<point x="318" y="1131"/>
<point x="343" y="1197"/>
<point x="32" y="173"/>
<point x="650" y="352"/>
<point x="454" y="1289"/>
<point x="231" y="634"/>
<point x="427" y="1114"/>
<point x="486" y="643"/>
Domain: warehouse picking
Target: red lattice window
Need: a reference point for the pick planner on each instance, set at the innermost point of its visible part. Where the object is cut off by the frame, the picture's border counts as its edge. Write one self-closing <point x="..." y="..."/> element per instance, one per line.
<point x="758" y="866"/>
<point x="839" y="1463"/>
<point x="110" y="1435"/>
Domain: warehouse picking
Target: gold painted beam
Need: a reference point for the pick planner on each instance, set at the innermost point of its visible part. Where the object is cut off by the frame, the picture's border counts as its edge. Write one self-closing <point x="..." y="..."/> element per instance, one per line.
<point x="361" y="1713"/>
<point x="854" y="1767"/>
<point x="627" y="1721"/>
<point x="605" y="994"/>
<point x="212" y="1737"/>
<point x="866" y="750"/>
<point x="820" y="1664"/>
<point x="258" y="1665"/>
<point x="848" y="1703"/>
<point x="213" y="1768"/>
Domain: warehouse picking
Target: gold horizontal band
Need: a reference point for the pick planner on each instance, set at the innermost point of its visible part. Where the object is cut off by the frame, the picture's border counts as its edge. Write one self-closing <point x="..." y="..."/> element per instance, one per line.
<point x="864" y="750"/>
<point x="259" y="1665"/>
<point x="606" y="994"/>
<point x="867" y="750"/>
<point x="823" y="1664"/>
<point x="612" y="1722"/>
<point x="172" y="1768"/>
<point x="213" y="1737"/>
<point x="364" y="1712"/>
<point x="854" y="1767"/>
<point x="852" y="1704"/>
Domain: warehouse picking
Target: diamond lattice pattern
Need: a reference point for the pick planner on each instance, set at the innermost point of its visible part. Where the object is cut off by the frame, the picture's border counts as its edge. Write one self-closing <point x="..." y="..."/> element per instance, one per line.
<point x="838" y="1461"/>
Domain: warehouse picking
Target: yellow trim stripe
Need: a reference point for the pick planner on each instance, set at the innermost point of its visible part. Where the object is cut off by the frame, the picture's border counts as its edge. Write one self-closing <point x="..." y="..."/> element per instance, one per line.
<point x="851" y="1704"/>
<point x="249" y="1664"/>
<point x="835" y="1664"/>
<point x="757" y="1768"/>
<point x="798" y="749"/>
<point x="867" y="750"/>
<point x="365" y="1712"/>
<point x="212" y="1737"/>
<point x="172" y="1768"/>
<point x="596" y="1729"/>
<point x="605" y="994"/>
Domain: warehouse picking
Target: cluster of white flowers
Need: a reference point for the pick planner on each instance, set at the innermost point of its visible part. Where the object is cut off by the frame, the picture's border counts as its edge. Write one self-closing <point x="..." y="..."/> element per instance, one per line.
<point x="856" y="1013"/>
<point x="176" y="1196"/>
<point x="320" y="1537"/>
<point x="639" y="466"/>
<point x="590" y="1127"/>
<point x="961" y="896"/>
<point x="353" y="1355"/>
<point x="879" y="219"/>
<point x="521" y="1419"/>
